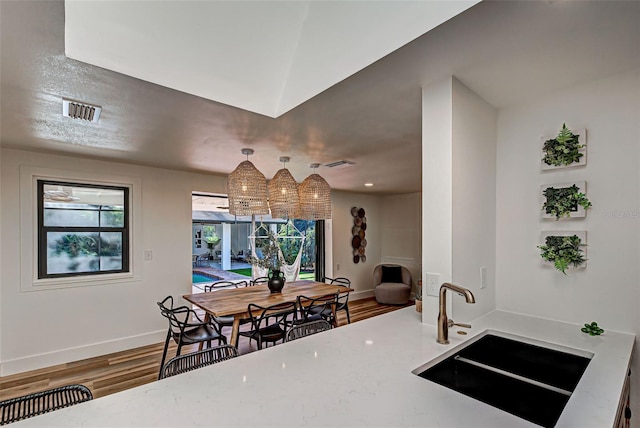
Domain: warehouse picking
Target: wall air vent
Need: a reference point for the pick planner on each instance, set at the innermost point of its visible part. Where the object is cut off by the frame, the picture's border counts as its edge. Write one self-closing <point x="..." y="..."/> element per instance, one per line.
<point x="80" y="110"/>
<point x="340" y="164"/>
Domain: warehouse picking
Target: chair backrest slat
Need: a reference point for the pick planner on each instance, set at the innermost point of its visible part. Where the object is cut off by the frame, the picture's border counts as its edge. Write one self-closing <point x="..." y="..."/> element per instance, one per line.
<point x="307" y="329"/>
<point x="15" y="409"/>
<point x="198" y="359"/>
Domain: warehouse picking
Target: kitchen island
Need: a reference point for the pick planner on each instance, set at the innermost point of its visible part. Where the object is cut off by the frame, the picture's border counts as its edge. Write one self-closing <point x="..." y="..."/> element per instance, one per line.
<point x="359" y="375"/>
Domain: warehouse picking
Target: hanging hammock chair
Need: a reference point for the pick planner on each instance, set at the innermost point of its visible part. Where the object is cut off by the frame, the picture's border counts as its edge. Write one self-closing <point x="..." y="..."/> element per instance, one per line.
<point x="291" y="271"/>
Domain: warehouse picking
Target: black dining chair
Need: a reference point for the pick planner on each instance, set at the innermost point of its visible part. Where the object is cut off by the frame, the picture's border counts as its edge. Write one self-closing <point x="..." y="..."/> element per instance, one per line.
<point x="220" y="285"/>
<point x="307" y="329"/>
<point x="270" y="324"/>
<point x="38" y="403"/>
<point x="195" y="360"/>
<point x="187" y="328"/>
<point x="343" y="298"/>
<point x="261" y="280"/>
<point x="317" y="308"/>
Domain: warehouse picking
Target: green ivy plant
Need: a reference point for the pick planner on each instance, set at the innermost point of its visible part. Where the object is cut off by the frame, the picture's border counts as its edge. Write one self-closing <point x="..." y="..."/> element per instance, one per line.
<point x="592" y="329"/>
<point x="561" y="202"/>
<point x="563" y="251"/>
<point x="562" y="150"/>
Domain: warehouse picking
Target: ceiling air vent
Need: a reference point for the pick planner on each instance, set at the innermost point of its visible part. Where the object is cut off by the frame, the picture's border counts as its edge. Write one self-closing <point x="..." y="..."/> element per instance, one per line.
<point x="340" y="164"/>
<point x="80" y="110"/>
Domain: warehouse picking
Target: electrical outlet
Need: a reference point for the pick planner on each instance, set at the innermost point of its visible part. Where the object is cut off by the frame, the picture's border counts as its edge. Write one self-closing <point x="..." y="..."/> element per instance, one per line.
<point x="483" y="277"/>
<point x="433" y="284"/>
<point x="148" y="255"/>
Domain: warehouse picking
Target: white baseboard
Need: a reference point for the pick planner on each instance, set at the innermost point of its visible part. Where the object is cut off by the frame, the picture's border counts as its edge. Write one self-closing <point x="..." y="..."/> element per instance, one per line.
<point x="358" y="295"/>
<point x="63" y="356"/>
<point x="48" y="359"/>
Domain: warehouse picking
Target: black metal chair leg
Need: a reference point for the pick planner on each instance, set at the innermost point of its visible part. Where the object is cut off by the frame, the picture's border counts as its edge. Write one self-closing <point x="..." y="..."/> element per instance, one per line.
<point x="166" y="348"/>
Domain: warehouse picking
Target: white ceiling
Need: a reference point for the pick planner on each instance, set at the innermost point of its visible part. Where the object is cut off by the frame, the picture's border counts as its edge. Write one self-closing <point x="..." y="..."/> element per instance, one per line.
<point x="508" y="52"/>
<point x="262" y="56"/>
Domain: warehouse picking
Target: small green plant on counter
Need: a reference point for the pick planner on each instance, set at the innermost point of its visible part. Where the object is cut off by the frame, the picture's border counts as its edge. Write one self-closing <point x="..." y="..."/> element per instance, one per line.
<point x="561" y="202"/>
<point x="592" y="329"/>
<point x="418" y="294"/>
<point x="563" y="251"/>
<point x="562" y="150"/>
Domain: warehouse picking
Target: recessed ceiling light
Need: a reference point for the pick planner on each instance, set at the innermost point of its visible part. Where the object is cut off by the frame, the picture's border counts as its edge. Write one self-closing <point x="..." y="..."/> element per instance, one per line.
<point x="368" y="184"/>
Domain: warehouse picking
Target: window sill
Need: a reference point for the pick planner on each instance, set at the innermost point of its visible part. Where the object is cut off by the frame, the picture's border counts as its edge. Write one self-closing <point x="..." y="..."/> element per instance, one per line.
<point x="80" y="281"/>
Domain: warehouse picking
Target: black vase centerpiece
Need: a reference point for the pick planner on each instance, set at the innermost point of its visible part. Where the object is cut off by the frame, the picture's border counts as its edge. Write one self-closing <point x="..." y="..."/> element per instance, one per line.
<point x="276" y="281"/>
<point x="271" y="259"/>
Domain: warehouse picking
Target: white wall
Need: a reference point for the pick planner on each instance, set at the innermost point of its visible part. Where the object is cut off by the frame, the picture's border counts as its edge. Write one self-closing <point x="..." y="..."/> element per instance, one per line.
<point x="393" y="236"/>
<point x="474" y="136"/>
<point x="458" y="155"/>
<point x="436" y="189"/>
<point x="81" y="322"/>
<point x="607" y="291"/>
<point x="1" y="260"/>
<point x="360" y="274"/>
<point x="401" y="232"/>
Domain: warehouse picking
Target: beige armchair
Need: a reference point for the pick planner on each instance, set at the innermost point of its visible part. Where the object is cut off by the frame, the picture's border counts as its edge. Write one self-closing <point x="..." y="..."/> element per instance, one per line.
<point x="392" y="284"/>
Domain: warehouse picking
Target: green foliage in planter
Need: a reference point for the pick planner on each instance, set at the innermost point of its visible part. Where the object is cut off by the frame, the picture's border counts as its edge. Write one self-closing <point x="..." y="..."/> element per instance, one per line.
<point x="269" y="249"/>
<point x="562" y="150"/>
<point x="561" y="202"/>
<point x="592" y="329"/>
<point x="563" y="251"/>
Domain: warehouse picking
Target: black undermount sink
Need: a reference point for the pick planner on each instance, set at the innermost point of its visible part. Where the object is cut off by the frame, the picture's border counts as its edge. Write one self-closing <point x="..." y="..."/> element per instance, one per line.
<point x="530" y="379"/>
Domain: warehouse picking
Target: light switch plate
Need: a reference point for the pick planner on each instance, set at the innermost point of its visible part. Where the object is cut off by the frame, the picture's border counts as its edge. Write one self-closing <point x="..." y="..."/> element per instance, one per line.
<point x="433" y="284"/>
<point x="483" y="277"/>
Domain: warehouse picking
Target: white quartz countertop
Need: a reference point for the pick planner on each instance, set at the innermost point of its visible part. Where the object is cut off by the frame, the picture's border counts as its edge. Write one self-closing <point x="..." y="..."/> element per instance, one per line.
<point x="354" y="376"/>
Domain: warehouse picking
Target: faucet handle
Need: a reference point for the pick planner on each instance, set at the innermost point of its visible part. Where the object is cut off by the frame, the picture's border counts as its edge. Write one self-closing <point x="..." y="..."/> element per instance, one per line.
<point x="450" y="324"/>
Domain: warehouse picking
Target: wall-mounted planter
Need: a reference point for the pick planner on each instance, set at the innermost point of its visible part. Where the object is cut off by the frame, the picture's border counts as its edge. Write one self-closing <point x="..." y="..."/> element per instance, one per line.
<point x="567" y="149"/>
<point x="564" y="200"/>
<point x="564" y="249"/>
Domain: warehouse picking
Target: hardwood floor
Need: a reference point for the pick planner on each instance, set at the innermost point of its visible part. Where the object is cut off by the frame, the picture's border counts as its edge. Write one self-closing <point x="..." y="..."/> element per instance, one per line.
<point x="116" y="372"/>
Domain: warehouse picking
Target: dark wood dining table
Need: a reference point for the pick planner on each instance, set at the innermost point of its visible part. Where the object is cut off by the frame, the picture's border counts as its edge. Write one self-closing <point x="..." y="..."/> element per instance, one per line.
<point x="234" y="301"/>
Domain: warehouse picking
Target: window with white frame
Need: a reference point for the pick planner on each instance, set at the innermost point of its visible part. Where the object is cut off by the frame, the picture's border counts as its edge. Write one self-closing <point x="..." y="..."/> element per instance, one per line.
<point x="83" y="229"/>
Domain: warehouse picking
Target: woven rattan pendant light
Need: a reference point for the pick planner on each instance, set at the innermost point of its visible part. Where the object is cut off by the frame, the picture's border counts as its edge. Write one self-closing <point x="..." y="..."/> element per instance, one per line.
<point x="315" y="197"/>
<point x="283" y="193"/>
<point x="247" y="189"/>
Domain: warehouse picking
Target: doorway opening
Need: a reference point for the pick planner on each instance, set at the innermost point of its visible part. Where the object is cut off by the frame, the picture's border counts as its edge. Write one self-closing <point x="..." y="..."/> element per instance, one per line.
<point x="221" y="242"/>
